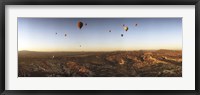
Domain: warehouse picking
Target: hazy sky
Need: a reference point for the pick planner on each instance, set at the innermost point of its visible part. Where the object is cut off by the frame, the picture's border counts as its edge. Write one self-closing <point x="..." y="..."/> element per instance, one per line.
<point x="39" y="34"/>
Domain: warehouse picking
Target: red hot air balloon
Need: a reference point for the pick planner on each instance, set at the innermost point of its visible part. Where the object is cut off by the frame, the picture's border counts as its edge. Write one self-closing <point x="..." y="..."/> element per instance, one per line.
<point x="80" y="25"/>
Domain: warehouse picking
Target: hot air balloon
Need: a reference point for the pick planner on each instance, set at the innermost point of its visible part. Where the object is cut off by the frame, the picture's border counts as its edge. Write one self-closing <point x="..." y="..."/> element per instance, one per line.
<point x="122" y="35"/>
<point x="80" y="45"/>
<point x="136" y="24"/>
<point x="65" y="35"/>
<point x="123" y="24"/>
<point x="109" y="30"/>
<point x="80" y="25"/>
<point x="85" y="24"/>
<point x="56" y="33"/>
<point x="126" y="28"/>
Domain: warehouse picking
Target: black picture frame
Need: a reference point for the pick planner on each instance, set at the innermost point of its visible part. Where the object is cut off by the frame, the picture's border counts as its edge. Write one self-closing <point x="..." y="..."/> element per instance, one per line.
<point x="3" y="3"/>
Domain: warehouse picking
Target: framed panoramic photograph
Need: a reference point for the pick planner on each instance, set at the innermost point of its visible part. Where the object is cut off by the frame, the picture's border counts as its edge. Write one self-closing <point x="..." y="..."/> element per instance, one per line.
<point x="137" y="47"/>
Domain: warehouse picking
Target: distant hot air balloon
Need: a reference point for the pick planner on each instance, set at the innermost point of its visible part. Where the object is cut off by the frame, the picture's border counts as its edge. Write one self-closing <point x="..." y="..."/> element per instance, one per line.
<point x="126" y="28"/>
<point x="65" y="35"/>
<point x="109" y="30"/>
<point x="80" y="25"/>
<point x="85" y="24"/>
<point x="122" y="35"/>
<point x="56" y="33"/>
<point x="80" y="45"/>
<point x="136" y="24"/>
<point x="123" y="24"/>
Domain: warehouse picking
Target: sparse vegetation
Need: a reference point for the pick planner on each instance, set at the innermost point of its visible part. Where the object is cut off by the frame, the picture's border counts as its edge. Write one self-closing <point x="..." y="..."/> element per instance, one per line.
<point x="160" y="63"/>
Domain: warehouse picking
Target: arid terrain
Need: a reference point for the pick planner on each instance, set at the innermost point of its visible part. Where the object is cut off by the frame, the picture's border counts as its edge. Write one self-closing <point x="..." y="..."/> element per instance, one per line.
<point x="142" y="63"/>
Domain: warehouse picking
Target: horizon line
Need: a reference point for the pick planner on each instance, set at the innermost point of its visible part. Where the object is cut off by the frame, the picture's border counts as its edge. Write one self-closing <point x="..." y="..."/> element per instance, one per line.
<point x="102" y="51"/>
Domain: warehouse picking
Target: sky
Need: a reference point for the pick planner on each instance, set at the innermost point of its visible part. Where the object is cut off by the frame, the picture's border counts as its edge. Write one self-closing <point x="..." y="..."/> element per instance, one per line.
<point x="39" y="34"/>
